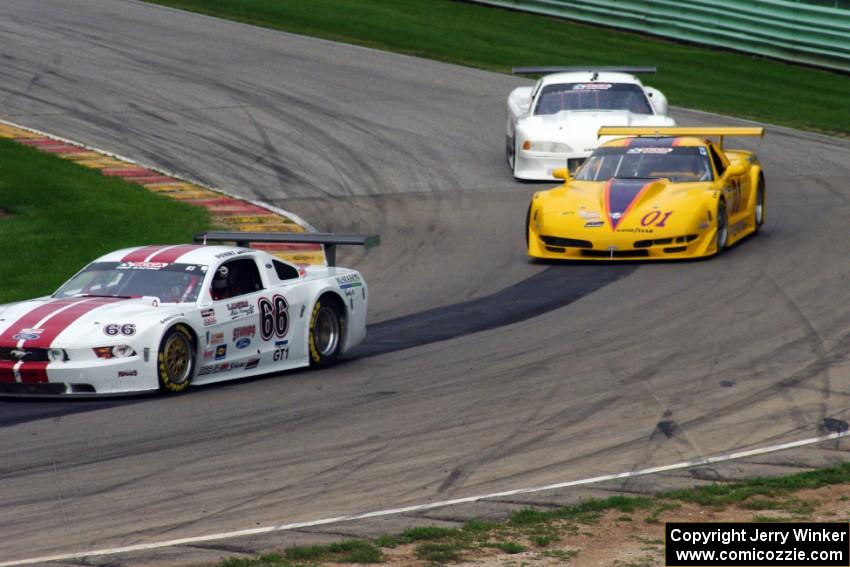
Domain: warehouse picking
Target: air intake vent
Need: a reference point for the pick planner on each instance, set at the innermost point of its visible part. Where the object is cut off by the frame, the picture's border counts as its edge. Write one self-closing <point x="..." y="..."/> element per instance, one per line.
<point x="615" y="253"/>
<point x="566" y="242"/>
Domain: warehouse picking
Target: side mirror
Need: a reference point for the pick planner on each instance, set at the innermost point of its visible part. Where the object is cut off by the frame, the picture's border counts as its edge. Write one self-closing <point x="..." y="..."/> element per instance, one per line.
<point x="658" y="100"/>
<point x="735" y="170"/>
<point x="561" y="173"/>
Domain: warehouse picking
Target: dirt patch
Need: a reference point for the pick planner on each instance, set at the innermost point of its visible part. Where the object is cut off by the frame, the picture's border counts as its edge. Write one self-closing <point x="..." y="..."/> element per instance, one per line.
<point x="4" y="214"/>
<point x="636" y="538"/>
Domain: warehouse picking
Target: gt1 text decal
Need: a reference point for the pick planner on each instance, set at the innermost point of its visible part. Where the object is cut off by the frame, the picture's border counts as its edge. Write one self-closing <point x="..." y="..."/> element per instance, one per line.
<point x="274" y="318"/>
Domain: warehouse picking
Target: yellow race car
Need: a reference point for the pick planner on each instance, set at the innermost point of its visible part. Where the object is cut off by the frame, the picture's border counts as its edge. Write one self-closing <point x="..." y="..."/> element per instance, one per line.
<point x="662" y="193"/>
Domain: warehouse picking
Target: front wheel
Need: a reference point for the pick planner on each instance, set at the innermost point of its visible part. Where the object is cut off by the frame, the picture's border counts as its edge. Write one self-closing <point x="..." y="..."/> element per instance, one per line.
<point x="176" y="359"/>
<point x="722" y="227"/>
<point x="325" y="334"/>
<point x="510" y="153"/>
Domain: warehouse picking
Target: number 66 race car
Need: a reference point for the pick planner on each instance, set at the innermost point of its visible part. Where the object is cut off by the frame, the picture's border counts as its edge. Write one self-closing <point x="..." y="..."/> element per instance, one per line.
<point x="165" y="317"/>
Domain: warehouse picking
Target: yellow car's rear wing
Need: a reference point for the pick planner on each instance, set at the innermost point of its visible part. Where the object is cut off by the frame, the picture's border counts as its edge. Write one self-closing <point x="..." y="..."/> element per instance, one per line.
<point x="680" y="131"/>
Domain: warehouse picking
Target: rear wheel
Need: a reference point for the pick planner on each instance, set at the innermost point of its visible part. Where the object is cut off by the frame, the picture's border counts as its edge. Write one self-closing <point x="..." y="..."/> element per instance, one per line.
<point x="722" y="227"/>
<point x="325" y="333"/>
<point x="758" y="212"/>
<point x="176" y="359"/>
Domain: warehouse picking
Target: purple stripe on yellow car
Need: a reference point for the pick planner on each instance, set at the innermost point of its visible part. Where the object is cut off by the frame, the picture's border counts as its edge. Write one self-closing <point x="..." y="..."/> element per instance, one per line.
<point x="620" y="196"/>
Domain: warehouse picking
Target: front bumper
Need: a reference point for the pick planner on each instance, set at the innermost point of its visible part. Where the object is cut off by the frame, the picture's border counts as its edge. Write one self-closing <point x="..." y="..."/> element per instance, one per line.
<point x="592" y="245"/>
<point x="78" y="379"/>
<point x="538" y="166"/>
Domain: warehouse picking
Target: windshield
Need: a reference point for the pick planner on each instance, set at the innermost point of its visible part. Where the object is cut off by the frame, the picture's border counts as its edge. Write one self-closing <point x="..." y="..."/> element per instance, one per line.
<point x="592" y="96"/>
<point x="171" y="283"/>
<point x="676" y="164"/>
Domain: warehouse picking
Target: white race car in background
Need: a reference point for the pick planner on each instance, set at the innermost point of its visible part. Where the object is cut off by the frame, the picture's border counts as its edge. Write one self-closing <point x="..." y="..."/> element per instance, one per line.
<point x="165" y="317"/>
<point x="554" y="123"/>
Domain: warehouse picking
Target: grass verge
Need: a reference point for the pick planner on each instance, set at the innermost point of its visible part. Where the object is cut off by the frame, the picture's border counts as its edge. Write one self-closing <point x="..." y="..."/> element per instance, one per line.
<point x="494" y="39"/>
<point x="540" y="531"/>
<point x="58" y="216"/>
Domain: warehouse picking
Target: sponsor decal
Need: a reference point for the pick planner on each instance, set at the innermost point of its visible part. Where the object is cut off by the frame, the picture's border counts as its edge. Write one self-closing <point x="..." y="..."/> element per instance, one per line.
<point x="142" y="265"/>
<point x="594" y="224"/>
<point x="616" y="215"/>
<point x="216" y="339"/>
<point x="702" y="151"/>
<point x="220" y="352"/>
<point x="240" y="309"/>
<point x="348" y="281"/>
<point x="209" y="317"/>
<point x="113" y="330"/>
<point x="244" y="342"/>
<point x="637" y="229"/>
<point x="649" y="150"/>
<point x="737" y="227"/>
<point x="281" y="343"/>
<point x="209" y="353"/>
<point x="222" y="367"/>
<point x="127" y="373"/>
<point x="253" y="363"/>
<point x="590" y="215"/>
<point x="248" y="331"/>
<point x="230" y="253"/>
<point x="28" y="334"/>
<point x="592" y="86"/>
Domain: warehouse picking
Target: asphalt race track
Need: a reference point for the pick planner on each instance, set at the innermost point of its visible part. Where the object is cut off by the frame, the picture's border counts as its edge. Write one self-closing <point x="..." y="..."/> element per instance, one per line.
<point x="483" y="372"/>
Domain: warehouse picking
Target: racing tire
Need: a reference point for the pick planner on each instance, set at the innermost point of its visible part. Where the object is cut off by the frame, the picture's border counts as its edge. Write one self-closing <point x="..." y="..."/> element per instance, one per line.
<point x="722" y="236"/>
<point x="510" y="153"/>
<point x="758" y="210"/>
<point x="176" y="360"/>
<point x="325" y="338"/>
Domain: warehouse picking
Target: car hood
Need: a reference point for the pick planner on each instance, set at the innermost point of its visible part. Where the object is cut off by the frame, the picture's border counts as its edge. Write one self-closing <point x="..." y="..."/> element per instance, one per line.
<point x="41" y="322"/>
<point x="624" y="205"/>
<point x="579" y="128"/>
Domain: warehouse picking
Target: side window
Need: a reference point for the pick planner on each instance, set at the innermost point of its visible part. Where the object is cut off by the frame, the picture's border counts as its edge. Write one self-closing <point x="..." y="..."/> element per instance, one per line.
<point x="235" y="278"/>
<point x="285" y="271"/>
<point x="718" y="163"/>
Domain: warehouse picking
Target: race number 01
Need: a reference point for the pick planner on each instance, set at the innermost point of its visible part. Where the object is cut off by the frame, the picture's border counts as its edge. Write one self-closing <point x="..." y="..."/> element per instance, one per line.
<point x="274" y="318"/>
<point x="653" y="217"/>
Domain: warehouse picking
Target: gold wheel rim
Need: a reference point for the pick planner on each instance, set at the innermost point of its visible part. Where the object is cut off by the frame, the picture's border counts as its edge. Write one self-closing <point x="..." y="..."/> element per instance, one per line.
<point x="177" y="359"/>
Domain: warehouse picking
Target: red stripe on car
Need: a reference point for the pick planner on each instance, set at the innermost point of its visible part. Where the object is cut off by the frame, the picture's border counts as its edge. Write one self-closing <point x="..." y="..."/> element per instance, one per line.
<point x="62" y="320"/>
<point x="172" y="254"/>
<point x="142" y="254"/>
<point x="31" y="319"/>
<point x="7" y="373"/>
<point x="33" y="372"/>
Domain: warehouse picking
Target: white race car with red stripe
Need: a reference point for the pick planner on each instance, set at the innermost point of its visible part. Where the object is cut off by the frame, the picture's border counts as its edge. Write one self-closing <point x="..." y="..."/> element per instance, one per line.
<point x="165" y="317"/>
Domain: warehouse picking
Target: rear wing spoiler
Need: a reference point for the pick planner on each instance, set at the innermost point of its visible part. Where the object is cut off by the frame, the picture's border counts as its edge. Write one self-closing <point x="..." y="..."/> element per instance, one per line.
<point x="544" y="70"/>
<point x="680" y="131"/>
<point x="327" y="240"/>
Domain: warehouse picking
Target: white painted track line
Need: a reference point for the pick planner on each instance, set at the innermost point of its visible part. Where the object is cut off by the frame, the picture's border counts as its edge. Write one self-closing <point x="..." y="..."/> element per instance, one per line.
<point x="428" y="506"/>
